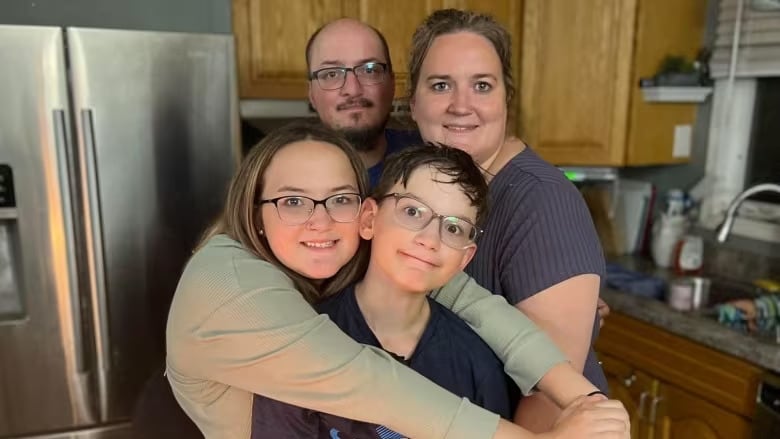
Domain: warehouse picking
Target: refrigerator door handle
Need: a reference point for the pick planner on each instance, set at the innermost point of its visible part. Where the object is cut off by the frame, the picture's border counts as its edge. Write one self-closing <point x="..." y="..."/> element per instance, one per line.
<point x="95" y="258"/>
<point x="81" y="383"/>
<point x="60" y="138"/>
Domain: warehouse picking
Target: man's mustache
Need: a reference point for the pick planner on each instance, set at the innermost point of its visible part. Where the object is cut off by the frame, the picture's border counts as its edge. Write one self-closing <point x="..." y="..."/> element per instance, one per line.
<point x="363" y="102"/>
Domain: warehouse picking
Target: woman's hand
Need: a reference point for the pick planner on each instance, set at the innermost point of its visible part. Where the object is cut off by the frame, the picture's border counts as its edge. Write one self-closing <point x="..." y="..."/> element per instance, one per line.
<point x="592" y="417"/>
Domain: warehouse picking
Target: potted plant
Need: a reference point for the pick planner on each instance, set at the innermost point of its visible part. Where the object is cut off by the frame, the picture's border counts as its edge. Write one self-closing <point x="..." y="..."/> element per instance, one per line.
<point x="677" y="71"/>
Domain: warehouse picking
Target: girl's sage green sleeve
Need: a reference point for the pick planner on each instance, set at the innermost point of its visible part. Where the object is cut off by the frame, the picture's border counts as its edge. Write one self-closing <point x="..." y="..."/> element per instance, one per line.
<point x="526" y="351"/>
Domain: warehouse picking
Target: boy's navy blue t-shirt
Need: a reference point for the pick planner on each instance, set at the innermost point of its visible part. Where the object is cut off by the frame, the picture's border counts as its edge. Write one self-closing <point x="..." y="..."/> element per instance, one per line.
<point x="449" y="353"/>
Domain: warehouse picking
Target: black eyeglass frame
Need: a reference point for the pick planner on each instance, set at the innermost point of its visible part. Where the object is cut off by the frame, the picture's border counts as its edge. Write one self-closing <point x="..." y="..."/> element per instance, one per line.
<point x="345" y="70"/>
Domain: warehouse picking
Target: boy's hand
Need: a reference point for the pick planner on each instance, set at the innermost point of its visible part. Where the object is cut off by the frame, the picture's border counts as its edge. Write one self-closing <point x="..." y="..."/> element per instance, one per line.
<point x="592" y="417"/>
<point x="603" y="309"/>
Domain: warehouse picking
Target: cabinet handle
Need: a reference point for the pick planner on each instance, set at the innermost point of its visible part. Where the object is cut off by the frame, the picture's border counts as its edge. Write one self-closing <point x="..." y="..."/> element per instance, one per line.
<point x="653" y="408"/>
<point x="630" y="380"/>
<point x="642" y="397"/>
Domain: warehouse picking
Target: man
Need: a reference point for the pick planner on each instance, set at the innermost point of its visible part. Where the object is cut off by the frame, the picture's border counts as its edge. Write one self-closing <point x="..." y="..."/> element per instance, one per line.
<point x="352" y="86"/>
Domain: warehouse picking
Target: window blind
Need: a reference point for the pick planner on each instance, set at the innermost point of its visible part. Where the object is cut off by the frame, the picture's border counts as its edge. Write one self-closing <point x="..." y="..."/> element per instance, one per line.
<point x="758" y="49"/>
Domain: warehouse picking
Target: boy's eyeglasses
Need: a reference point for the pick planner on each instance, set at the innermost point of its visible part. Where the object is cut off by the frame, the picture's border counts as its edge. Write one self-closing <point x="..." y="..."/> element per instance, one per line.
<point x="413" y="214"/>
<point x="333" y="78"/>
<point x="296" y="210"/>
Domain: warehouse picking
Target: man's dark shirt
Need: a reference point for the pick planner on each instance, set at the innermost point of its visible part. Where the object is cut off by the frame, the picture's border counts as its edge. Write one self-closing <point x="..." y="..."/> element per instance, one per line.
<point x="396" y="141"/>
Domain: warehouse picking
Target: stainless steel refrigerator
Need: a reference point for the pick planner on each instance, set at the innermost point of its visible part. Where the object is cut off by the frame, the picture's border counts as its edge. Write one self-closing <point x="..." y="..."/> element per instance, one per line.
<point x="115" y="152"/>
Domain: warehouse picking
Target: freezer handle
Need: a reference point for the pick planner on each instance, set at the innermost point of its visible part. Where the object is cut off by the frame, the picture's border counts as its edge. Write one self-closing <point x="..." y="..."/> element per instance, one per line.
<point x="95" y="256"/>
<point x="60" y="138"/>
<point x="81" y="383"/>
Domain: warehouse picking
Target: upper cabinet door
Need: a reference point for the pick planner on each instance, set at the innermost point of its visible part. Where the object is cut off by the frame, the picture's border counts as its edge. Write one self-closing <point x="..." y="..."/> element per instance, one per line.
<point x="272" y="34"/>
<point x="664" y="27"/>
<point x="271" y="38"/>
<point x="576" y="71"/>
<point x="398" y="21"/>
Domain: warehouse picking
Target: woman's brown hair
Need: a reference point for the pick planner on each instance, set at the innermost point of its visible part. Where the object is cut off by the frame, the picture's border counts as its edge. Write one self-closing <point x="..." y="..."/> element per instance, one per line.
<point x="450" y="21"/>
<point x="241" y="219"/>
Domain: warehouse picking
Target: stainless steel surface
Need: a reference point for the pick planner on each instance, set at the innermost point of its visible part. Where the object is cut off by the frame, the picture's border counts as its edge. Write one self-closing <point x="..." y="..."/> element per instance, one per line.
<point x="276" y="108"/>
<point x="641" y="410"/>
<point x="40" y="367"/>
<point x="689" y="293"/>
<point x="62" y="146"/>
<point x="724" y="229"/>
<point x="93" y="234"/>
<point x="654" y="409"/>
<point x="157" y="146"/>
<point x="297" y="108"/>
<point x="119" y="163"/>
<point x="114" y="431"/>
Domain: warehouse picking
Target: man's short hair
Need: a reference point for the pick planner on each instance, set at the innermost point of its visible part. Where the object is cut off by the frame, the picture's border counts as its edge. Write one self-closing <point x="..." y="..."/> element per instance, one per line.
<point x="382" y="40"/>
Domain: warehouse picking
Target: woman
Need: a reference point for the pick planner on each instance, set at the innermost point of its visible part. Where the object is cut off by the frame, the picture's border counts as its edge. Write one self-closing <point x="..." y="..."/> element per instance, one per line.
<point x="540" y="249"/>
<point x="239" y="323"/>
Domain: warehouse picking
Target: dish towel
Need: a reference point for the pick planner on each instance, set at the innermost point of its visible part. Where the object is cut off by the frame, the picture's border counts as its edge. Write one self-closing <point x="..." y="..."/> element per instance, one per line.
<point x="634" y="282"/>
<point x="760" y="315"/>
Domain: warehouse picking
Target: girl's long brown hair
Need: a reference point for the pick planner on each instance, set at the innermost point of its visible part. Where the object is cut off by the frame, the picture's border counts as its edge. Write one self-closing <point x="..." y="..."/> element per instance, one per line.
<point x="241" y="219"/>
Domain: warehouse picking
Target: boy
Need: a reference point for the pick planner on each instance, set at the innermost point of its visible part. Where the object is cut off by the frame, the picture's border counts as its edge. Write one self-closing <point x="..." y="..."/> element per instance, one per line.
<point x="423" y="222"/>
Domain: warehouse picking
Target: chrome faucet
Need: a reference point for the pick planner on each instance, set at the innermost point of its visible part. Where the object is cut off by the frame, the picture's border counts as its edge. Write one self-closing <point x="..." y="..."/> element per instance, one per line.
<point x="725" y="227"/>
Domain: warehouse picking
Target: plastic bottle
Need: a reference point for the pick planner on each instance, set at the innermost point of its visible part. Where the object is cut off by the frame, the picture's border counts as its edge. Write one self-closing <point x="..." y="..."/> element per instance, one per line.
<point x="667" y="232"/>
<point x="675" y="202"/>
<point x="689" y="255"/>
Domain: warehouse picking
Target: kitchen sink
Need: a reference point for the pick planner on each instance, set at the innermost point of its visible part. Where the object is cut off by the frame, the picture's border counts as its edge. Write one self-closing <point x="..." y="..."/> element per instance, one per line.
<point x="648" y="281"/>
<point x="726" y="301"/>
<point x="765" y="323"/>
<point x="725" y="290"/>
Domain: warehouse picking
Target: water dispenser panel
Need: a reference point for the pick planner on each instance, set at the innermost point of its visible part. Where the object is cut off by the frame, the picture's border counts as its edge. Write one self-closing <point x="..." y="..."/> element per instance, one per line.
<point x="11" y="306"/>
<point x="7" y="198"/>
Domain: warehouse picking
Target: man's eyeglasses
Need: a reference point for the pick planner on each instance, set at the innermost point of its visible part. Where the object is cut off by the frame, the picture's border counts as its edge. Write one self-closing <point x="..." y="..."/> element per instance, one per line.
<point x="333" y="78"/>
<point x="413" y="214"/>
<point x="296" y="210"/>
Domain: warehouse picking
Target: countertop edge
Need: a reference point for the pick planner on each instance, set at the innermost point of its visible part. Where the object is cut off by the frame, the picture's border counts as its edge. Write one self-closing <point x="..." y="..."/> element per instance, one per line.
<point x="695" y="327"/>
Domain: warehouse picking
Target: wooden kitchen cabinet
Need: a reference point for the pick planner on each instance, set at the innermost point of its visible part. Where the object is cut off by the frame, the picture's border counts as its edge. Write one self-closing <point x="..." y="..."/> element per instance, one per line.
<point x="271" y="36"/>
<point x="682" y="415"/>
<point x="581" y="64"/>
<point x="633" y="388"/>
<point x="674" y="388"/>
<point x="397" y="21"/>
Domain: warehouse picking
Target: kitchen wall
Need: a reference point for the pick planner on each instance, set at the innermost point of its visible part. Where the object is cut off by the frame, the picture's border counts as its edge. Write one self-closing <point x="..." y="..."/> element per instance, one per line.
<point x="687" y="175"/>
<point x="209" y="16"/>
<point x="679" y="176"/>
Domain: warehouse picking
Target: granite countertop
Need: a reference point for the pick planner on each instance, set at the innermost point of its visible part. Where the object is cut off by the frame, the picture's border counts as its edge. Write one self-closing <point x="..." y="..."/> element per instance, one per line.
<point x="693" y="326"/>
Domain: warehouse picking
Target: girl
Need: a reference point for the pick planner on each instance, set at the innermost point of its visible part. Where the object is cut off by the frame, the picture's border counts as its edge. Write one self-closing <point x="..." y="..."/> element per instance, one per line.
<point x="240" y="322"/>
